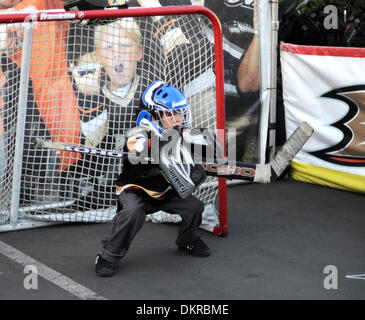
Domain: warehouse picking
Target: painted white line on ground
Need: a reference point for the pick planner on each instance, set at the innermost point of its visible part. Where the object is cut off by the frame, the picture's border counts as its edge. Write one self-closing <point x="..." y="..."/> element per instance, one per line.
<point x="49" y="274"/>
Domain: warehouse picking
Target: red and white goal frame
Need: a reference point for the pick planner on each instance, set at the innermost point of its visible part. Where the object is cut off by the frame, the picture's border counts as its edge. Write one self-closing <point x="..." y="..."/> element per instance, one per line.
<point x="49" y="67"/>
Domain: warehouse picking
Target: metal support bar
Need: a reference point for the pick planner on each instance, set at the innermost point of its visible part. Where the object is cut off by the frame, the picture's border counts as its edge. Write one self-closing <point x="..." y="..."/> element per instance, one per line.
<point x="21" y="117"/>
<point x="273" y="81"/>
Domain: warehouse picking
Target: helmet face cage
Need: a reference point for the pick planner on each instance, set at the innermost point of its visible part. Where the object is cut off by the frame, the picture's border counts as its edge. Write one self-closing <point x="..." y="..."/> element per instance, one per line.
<point x="178" y="118"/>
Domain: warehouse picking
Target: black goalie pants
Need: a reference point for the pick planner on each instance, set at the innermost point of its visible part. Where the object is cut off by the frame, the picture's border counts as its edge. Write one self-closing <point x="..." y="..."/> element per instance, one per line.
<point x="132" y="214"/>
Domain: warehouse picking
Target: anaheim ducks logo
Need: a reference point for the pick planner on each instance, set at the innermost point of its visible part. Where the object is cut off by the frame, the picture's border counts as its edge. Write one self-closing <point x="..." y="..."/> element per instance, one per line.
<point x="350" y="151"/>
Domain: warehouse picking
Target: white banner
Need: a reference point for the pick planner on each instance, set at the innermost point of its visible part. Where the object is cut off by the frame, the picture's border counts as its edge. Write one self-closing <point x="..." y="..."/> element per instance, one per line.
<point x="325" y="86"/>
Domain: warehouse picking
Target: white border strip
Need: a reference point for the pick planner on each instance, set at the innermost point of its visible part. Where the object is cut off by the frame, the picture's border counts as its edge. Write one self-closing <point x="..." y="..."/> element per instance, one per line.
<point x="49" y="274"/>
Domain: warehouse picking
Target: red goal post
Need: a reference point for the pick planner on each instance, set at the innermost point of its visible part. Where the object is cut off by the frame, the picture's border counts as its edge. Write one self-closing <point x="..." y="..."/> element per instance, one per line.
<point x="13" y="207"/>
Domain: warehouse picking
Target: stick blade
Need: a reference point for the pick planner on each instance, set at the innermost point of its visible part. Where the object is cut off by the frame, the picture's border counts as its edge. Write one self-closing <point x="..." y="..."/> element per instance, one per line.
<point x="43" y="144"/>
<point x="290" y="148"/>
<point x="38" y="143"/>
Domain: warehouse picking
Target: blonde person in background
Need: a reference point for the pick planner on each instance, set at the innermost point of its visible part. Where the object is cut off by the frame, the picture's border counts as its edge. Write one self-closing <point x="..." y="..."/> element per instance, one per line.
<point x="108" y="88"/>
<point x="106" y="80"/>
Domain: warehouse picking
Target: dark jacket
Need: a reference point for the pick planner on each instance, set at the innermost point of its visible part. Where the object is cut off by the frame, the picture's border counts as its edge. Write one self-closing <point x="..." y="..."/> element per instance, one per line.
<point x="144" y="178"/>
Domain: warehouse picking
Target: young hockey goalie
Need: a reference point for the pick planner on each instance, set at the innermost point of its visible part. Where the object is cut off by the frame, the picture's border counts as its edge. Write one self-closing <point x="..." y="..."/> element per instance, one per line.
<point x="142" y="189"/>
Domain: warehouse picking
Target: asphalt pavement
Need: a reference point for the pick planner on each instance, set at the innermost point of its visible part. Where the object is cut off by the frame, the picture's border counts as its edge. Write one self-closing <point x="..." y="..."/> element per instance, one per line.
<point x="286" y="240"/>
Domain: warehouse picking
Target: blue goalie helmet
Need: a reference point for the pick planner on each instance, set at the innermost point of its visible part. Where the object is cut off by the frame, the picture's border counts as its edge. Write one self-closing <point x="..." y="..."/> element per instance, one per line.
<point x="163" y="106"/>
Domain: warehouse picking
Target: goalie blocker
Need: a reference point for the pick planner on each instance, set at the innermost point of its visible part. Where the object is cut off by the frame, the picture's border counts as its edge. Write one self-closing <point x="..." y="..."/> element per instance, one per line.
<point x="178" y="167"/>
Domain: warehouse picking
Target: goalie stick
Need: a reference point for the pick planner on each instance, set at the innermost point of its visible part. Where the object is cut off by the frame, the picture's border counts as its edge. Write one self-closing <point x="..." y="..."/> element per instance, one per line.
<point x="259" y="173"/>
<point x="264" y="173"/>
<point x="43" y="144"/>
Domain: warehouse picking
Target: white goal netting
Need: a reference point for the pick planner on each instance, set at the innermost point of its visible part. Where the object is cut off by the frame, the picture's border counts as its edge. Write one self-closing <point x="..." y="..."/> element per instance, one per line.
<point x="85" y="83"/>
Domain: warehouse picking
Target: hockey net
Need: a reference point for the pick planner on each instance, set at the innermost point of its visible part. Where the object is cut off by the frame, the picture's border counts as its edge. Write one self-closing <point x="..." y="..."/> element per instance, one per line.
<point x="83" y="82"/>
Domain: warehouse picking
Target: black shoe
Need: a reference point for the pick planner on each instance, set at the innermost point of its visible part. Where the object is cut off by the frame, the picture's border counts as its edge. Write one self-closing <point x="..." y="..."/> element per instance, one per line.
<point x="196" y="248"/>
<point x="104" y="268"/>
